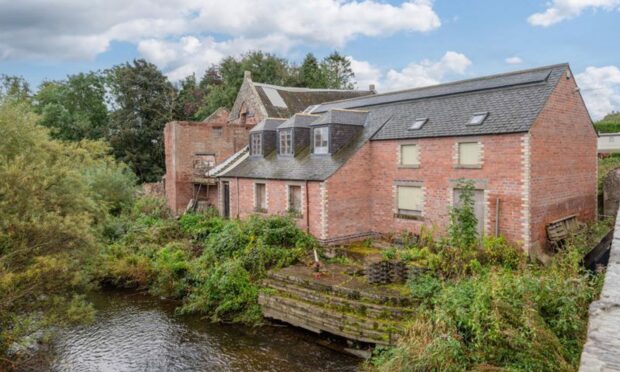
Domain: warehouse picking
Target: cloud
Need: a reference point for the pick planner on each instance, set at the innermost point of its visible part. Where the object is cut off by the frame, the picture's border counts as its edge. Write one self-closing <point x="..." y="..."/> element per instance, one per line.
<point x="79" y="30"/>
<point x="600" y="87"/>
<point x="514" y="60"/>
<point x="561" y="10"/>
<point x="416" y="74"/>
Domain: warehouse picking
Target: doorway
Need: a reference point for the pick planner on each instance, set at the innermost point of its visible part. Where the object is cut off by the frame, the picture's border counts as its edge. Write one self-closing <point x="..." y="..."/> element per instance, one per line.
<point x="226" y="199"/>
<point x="478" y="207"/>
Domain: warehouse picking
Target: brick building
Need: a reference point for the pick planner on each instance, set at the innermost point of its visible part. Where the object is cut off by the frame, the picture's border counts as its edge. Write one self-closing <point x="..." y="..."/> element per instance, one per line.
<point x="193" y="149"/>
<point x="390" y="162"/>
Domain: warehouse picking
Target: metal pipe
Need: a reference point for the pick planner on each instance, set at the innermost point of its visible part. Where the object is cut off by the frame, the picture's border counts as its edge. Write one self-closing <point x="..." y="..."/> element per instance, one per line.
<point x="496" y="216"/>
<point x="237" y="198"/>
<point x="307" y="210"/>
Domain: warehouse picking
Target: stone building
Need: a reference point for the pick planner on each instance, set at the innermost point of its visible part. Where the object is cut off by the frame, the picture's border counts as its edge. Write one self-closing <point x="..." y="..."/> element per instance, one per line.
<point x="192" y="149"/>
<point x="390" y="162"/>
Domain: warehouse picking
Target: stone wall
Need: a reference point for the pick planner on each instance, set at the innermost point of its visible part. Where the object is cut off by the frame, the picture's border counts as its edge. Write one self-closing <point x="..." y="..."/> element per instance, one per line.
<point x="611" y="193"/>
<point x="601" y="351"/>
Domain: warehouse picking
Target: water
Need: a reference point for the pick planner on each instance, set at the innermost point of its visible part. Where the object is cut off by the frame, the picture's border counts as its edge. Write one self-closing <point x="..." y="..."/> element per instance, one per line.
<point x="134" y="332"/>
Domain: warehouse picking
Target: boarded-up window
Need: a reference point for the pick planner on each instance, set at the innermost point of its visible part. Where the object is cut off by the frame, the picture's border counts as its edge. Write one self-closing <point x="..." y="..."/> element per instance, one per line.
<point x="203" y="162"/>
<point x="469" y="153"/>
<point x="410" y="199"/>
<point x="409" y="155"/>
<point x="294" y="198"/>
<point x="286" y="142"/>
<point x="261" y="201"/>
<point x="255" y="145"/>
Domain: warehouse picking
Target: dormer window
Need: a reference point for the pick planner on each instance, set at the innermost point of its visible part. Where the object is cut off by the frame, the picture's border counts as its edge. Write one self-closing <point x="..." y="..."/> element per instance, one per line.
<point x="418" y="123"/>
<point x="478" y="118"/>
<point x="255" y="144"/>
<point x="286" y="142"/>
<point x="321" y="140"/>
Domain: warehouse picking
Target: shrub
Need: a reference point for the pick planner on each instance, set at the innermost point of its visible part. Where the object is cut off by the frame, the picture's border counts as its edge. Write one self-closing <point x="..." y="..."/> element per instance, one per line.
<point x="170" y="266"/>
<point x="199" y="226"/>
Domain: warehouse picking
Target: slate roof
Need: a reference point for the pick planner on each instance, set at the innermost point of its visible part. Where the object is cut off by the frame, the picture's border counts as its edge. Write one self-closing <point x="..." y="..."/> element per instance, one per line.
<point x="337" y="116"/>
<point x="298" y="99"/>
<point x="269" y="124"/>
<point x="513" y="101"/>
<point x="299" y="121"/>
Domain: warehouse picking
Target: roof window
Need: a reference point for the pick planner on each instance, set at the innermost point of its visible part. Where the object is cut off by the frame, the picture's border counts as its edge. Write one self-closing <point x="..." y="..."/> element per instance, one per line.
<point x="478" y="118"/>
<point x="418" y="123"/>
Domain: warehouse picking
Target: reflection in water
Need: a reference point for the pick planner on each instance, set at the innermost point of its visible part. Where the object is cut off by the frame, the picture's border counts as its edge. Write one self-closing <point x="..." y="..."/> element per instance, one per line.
<point x="133" y="332"/>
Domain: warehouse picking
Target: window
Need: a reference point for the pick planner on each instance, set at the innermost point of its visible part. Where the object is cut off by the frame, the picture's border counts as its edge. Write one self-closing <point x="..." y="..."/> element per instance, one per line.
<point x="255" y="146"/>
<point x="217" y="131"/>
<point x="203" y="162"/>
<point x="409" y="155"/>
<point x="321" y="137"/>
<point x="418" y="123"/>
<point x="469" y="153"/>
<point x="286" y="142"/>
<point x="611" y="138"/>
<point x="294" y="199"/>
<point x="261" y="200"/>
<point x="410" y="200"/>
<point x="478" y="118"/>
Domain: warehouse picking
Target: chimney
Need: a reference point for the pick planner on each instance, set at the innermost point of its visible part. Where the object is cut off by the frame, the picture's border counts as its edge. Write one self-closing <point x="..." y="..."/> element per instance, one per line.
<point x="247" y="75"/>
<point x="371" y="88"/>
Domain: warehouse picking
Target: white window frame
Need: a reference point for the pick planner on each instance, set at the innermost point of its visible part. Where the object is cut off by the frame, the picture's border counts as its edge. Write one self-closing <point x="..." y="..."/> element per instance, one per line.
<point x="256" y="144"/>
<point x="323" y="133"/>
<point x="285" y="137"/>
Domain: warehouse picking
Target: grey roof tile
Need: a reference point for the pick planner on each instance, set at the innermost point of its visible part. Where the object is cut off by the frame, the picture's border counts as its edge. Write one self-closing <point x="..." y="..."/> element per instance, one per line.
<point x="299" y="120"/>
<point x="269" y="124"/>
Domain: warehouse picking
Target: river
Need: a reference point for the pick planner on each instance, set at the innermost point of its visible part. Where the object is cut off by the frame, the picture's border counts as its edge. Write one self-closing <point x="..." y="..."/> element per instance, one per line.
<point x="136" y="332"/>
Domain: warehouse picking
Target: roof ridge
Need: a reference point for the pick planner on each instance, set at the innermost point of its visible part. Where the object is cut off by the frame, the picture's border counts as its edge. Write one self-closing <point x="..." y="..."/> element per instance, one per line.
<point x="456" y="82"/>
<point x="304" y="89"/>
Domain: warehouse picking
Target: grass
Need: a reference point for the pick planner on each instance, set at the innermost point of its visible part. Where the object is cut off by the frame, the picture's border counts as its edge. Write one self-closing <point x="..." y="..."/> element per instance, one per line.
<point x="606" y="165"/>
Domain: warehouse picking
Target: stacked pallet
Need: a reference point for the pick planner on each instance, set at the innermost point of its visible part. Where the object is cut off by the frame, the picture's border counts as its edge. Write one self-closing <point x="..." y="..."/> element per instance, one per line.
<point x="335" y="303"/>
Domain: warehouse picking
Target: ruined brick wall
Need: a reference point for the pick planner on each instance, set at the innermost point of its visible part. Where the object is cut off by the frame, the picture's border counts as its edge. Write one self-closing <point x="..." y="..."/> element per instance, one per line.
<point x="183" y="140"/>
<point x="500" y="176"/>
<point x="563" y="162"/>
<point x="242" y="200"/>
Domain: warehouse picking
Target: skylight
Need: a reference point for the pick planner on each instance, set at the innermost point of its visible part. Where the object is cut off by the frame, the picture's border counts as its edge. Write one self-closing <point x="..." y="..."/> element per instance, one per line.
<point x="418" y="123"/>
<point x="274" y="97"/>
<point x="478" y="118"/>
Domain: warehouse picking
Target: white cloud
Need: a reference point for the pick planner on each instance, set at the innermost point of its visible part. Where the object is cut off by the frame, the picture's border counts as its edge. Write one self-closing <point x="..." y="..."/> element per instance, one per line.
<point x="561" y="10"/>
<point x="514" y="60"/>
<point x="77" y="29"/>
<point x="600" y="87"/>
<point x="417" y="74"/>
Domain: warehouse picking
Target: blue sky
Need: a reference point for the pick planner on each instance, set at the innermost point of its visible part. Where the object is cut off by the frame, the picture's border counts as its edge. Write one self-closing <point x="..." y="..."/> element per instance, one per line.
<point x="392" y="44"/>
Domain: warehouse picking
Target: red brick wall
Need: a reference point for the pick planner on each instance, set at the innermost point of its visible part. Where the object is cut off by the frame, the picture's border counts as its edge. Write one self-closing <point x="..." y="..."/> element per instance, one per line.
<point x="277" y="200"/>
<point x="183" y="140"/>
<point x="563" y="162"/>
<point x="500" y="177"/>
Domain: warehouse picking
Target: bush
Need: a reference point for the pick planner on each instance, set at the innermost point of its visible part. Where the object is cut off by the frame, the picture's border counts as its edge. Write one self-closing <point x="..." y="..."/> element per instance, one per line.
<point x="199" y="226"/>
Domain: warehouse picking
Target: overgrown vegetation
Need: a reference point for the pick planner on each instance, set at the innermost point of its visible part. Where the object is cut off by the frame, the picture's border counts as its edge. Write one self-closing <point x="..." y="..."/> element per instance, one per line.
<point x="54" y="199"/>
<point x="605" y="165"/>
<point x="609" y="124"/>
<point x="212" y="265"/>
<point x="484" y="306"/>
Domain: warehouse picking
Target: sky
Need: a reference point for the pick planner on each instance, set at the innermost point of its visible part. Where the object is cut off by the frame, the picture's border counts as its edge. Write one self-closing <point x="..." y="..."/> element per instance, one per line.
<point x="392" y="44"/>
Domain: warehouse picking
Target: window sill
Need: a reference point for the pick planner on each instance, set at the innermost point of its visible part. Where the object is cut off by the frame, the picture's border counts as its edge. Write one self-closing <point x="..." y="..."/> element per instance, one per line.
<point x="295" y="215"/>
<point x="412" y="166"/>
<point x="260" y="210"/>
<point x="404" y="216"/>
<point x="465" y="166"/>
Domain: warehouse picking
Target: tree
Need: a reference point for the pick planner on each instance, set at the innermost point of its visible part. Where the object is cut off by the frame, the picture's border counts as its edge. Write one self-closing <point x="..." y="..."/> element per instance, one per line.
<point x="74" y="109"/>
<point x="53" y="196"/>
<point x="142" y="103"/>
<point x="14" y="88"/>
<point x="189" y="99"/>
<point x="337" y="72"/>
<point x="310" y="73"/>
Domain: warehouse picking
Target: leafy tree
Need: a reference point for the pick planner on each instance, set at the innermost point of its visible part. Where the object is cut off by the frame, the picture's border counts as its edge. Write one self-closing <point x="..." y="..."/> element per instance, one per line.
<point x="53" y="196"/>
<point x="337" y="72"/>
<point x="142" y="103"/>
<point x="310" y="73"/>
<point x="189" y="99"/>
<point x="14" y="88"/>
<point x="74" y="109"/>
